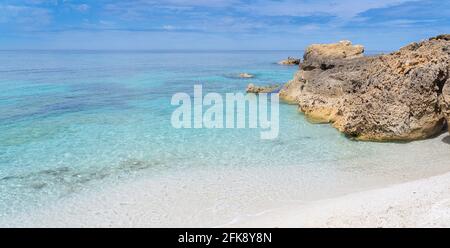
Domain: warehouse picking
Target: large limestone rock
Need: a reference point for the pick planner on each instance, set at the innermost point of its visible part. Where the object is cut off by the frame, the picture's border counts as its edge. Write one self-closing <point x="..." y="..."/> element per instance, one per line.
<point x="397" y="96"/>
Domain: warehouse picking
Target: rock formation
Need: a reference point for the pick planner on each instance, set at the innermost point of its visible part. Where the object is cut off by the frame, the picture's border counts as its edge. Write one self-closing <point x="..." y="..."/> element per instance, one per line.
<point x="290" y="61"/>
<point x="403" y="95"/>
<point x="251" y="88"/>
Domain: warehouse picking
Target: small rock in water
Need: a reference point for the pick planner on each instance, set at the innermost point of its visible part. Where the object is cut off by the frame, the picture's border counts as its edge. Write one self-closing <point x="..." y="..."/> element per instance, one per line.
<point x="290" y="61"/>
<point x="246" y="75"/>
<point x="251" y="88"/>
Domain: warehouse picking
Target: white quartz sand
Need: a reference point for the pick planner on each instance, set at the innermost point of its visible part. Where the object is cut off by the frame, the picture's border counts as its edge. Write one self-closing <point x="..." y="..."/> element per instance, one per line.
<point x="421" y="203"/>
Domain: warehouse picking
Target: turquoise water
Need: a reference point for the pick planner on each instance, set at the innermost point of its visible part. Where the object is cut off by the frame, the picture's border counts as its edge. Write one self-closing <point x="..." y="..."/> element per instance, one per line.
<point x="71" y="119"/>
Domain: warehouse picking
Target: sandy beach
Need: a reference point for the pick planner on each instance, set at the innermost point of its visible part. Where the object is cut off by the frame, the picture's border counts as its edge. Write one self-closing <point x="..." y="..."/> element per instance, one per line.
<point x="421" y="203"/>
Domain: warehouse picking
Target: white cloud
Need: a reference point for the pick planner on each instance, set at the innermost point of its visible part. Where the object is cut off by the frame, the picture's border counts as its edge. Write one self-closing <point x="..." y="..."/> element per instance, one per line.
<point x="206" y="3"/>
<point x="343" y="9"/>
<point x="32" y="16"/>
<point x="168" y="27"/>
<point x="82" y="7"/>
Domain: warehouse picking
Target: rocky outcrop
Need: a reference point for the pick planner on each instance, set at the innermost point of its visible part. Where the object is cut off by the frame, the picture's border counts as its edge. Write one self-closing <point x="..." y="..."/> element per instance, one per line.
<point x="290" y="61"/>
<point x="325" y="56"/>
<point x="320" y="57"/>
<point x="251" y="88"/>
<point x="398" y="96"/>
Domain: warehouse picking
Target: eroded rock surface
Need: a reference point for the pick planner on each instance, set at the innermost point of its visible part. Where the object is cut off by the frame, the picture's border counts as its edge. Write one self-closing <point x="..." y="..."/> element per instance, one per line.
<point x="397" y="96"/>
<point x="251" y="88"/>
<point x="290" y="61"/>
<point x="324" y="55"/>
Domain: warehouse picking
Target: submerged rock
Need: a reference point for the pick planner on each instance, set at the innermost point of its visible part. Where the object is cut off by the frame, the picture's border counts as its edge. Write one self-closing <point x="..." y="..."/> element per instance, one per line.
<point x="290" y="61"/>
<point x="398" y="96"/>
<point x="246" y="75"/>
<point x="251" y="88"/>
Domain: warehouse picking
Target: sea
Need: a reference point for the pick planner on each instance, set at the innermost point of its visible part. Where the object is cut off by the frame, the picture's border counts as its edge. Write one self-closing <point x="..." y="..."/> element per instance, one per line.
<point x="74" y="121"/>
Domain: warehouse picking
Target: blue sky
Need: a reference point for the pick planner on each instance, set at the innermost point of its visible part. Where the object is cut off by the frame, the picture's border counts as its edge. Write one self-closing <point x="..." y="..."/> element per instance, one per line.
<point x="217" y="24"/>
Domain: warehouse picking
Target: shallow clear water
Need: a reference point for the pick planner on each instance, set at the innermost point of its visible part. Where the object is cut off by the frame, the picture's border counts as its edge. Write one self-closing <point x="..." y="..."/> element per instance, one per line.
<point x="73" y="119"/>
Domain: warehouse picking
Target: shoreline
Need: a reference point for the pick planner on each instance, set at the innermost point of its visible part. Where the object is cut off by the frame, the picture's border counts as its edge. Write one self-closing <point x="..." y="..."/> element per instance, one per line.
<point x="418" y="203"/>
<point x="373" y="187"/>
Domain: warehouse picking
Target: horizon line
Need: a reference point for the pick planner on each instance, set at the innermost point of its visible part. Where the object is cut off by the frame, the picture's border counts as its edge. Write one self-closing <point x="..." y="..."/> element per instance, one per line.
<point x="159" y="50"/>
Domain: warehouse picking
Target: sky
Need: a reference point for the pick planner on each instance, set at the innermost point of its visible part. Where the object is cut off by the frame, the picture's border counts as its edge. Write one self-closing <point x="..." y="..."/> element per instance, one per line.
<point x="379" y="25"/>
